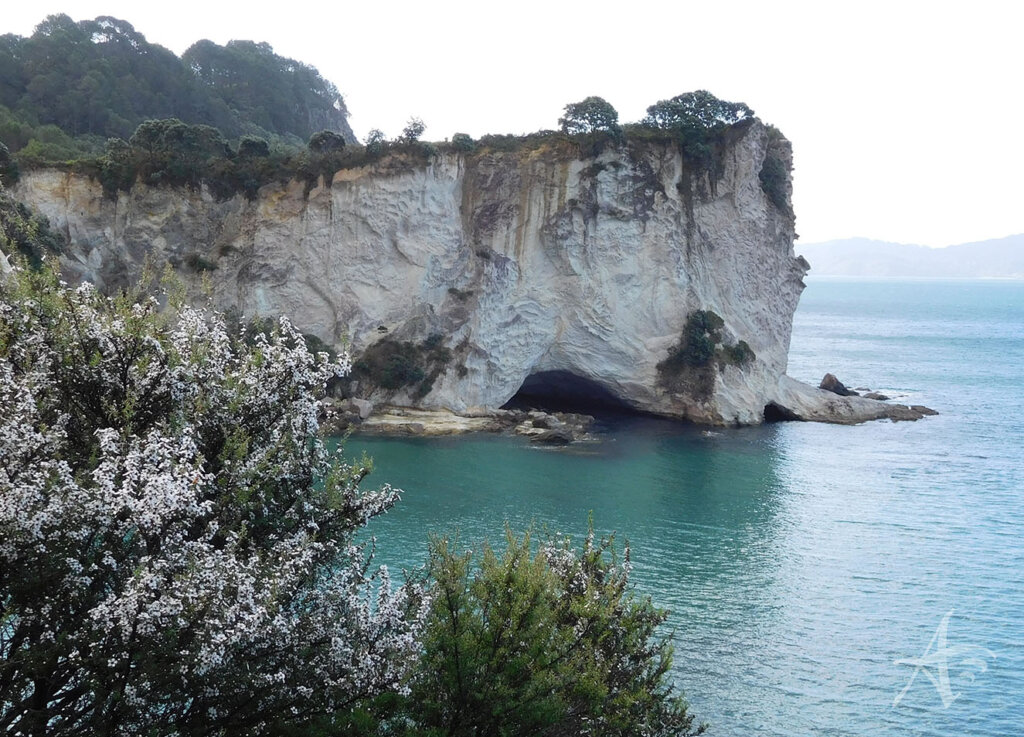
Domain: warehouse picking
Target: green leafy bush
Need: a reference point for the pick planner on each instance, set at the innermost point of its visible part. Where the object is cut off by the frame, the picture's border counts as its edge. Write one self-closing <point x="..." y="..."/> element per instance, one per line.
<point x="550" y="641"/>
<point x="376" y="142"/>
<point x="589" y="115"/>
<point x="413" y="130"/>
<point x="690" y="364"/>
<point x="25" y="232"/>
<point x="325" y="142"/>
<point x="392" y="365"/>
<point x="463" y="142"/>
<point x="252" y="147"/>
<point x="9" y="172"/>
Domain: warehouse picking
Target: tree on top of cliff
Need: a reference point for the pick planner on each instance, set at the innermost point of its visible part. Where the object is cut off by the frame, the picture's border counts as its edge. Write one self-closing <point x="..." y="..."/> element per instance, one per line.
<point x="698" y="109"/>
<point x="261" y="88"/>
<point x="173" y="152"/>
<point x="177" y="551"/>
<point x="589" y="115"/>
<point x="697" y="121"/>
<point x="413" y="130"/>
<point x="325" y="142"/>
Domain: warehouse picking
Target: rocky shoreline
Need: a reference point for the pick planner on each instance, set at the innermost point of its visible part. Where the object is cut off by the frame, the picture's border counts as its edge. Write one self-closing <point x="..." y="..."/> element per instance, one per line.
<point x="545" y="428"/>
<point x="831" y="402"/>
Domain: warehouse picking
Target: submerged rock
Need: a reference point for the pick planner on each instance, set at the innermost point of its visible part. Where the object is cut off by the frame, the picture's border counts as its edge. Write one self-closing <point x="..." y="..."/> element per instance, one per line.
<point x="555" y="436"/>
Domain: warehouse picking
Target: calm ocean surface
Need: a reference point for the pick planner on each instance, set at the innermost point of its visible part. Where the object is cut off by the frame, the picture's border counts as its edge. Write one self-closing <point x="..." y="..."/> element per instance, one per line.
<point x="801" y="561"/>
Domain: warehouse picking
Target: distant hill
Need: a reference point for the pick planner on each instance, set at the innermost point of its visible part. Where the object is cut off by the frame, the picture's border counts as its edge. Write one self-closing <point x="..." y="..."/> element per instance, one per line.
<point x="998" y="258"/>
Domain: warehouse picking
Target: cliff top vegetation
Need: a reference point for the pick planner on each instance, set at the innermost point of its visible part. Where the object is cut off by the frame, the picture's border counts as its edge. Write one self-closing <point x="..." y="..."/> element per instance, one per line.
<point x="172" y="152"/>
<point x="97" y="98"/>
<point x="70" y="86"/>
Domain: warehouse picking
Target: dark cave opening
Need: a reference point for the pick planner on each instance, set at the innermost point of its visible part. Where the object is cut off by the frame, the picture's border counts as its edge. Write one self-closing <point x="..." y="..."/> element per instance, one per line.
<point x="564" y="391"/>
<point x="776" y="413"/>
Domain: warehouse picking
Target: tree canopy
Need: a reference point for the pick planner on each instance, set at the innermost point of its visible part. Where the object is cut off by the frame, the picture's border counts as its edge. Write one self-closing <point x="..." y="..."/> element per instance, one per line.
<point x="103" y="78"/>
<point x="589" y="115"/>
<point x="698" y="109"/>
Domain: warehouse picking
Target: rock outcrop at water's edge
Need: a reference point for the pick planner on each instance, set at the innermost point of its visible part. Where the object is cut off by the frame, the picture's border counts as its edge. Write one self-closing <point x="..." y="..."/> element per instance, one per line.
<point x="492" y="268"/>
<point x="799" y="401"/>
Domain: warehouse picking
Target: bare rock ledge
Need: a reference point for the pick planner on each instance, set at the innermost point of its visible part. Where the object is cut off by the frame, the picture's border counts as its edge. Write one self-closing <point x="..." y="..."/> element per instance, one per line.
<point x="796" y="400"/>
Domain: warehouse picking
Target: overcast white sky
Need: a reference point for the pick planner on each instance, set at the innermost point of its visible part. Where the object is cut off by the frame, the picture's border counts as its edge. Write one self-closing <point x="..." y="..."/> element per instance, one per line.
<point x="905" y="116"/>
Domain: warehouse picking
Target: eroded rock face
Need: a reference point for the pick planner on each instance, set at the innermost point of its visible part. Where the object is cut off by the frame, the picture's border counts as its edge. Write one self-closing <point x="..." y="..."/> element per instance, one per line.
<point x="523" y="262"/>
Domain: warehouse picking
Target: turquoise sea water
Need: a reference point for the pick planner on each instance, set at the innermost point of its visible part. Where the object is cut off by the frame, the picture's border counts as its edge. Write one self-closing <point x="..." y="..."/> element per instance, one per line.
<point x="801" y="561"/>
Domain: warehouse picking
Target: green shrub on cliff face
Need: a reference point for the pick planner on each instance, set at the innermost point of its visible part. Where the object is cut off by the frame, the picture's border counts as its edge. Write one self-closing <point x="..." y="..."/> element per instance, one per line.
<point x="25" y="233"/>
<point x="391" y="365"/>
<point x="737" y="355"/>
<point x="700" y="336"/>
<point x="691" y="363"/>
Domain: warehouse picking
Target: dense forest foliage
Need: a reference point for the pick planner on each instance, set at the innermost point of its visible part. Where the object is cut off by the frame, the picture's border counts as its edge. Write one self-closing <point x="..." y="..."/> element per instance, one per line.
<point x="72" y="85"/>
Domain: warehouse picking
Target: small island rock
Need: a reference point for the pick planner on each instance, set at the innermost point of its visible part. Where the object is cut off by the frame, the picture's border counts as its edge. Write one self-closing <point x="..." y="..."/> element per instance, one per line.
<point x="831" y="384"/>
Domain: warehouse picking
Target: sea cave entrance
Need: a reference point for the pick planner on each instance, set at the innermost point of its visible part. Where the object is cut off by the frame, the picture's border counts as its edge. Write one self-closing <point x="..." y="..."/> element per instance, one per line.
<point x="777" y="413"/>
<point x="564" y="391"/>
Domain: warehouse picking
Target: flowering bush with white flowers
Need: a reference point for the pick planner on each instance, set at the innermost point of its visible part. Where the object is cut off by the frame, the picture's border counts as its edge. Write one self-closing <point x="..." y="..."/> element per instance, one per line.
<point x="176" y="543"/>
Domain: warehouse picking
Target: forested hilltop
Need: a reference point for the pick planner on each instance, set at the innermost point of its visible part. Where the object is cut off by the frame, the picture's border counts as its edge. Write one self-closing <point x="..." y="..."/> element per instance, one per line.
<point x="70" y="86"/>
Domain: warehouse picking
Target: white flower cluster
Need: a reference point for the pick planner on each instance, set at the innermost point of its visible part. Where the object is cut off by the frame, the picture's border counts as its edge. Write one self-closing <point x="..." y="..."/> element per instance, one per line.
<point x="175" y="539"/>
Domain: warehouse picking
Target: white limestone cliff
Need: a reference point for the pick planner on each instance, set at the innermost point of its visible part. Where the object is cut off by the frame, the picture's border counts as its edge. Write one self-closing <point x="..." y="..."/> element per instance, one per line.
<point x="524" y="262"/>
